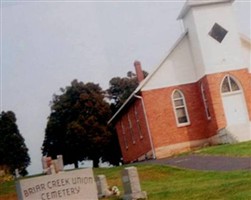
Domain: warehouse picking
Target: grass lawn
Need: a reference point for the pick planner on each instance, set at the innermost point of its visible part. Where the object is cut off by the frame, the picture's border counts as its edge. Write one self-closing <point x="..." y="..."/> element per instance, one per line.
<point x="163" y="182"/>
<point x="242" y="149"/>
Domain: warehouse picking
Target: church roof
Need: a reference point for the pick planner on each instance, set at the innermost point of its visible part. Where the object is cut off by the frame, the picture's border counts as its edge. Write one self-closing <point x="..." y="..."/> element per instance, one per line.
<point x="193" y="3"/>
<point x="144" y="82"/>
<point x="138" y="89"/>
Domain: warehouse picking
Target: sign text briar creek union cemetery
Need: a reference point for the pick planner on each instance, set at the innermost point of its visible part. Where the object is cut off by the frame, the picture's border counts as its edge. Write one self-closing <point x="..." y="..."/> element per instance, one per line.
<point x="77" y="184"/>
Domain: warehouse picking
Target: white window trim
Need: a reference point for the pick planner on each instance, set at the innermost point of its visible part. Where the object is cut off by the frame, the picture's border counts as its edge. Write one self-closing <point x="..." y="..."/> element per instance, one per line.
<point x="231" y="92"/>
<point x="185" y="106"/>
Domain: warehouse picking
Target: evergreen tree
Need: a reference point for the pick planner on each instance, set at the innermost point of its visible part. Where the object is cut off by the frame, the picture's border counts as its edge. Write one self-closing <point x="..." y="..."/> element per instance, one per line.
<point x="13" y="151"/>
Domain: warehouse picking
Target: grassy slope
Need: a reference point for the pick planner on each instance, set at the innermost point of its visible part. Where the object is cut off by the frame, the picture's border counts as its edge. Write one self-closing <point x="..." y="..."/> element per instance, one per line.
<point x="7" y="191"/>
<point x="162" y="182"/>
<point x="238" y="150"/>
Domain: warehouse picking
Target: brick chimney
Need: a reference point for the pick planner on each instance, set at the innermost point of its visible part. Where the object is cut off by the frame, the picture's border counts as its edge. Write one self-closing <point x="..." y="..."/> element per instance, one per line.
<point x="139" y="72"/>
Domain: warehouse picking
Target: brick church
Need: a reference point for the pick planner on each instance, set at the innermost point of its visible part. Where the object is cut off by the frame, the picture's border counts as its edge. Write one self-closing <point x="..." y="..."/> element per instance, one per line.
<point x="200" y="94"/>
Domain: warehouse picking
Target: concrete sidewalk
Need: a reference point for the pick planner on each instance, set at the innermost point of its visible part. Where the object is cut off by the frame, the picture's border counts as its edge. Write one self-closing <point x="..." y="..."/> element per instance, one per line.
<point x="209" y="163"/>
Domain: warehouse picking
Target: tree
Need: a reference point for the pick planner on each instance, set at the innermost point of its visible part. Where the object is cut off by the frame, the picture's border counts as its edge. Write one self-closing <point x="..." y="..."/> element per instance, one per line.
<point x="121" y="88"/>
<point x="13" y="151"/>
<point x="112" y="151"/>
<point x="77" y="126"/>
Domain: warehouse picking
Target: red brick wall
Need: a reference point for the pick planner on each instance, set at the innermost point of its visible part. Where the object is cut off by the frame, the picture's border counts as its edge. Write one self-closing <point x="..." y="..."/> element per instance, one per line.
<point x="161" y="116"/>
<point x="135" y="142"/>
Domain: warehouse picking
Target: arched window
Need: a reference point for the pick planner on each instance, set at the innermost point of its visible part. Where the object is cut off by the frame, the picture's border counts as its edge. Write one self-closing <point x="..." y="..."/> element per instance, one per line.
<point x="229" y="85"/>
<point x="203" y="93"/>
<point x="180" y="109"/>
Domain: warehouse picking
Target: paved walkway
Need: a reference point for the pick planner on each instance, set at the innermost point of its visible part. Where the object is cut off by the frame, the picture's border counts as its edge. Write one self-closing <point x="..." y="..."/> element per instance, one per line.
<point x="201" y="162"/>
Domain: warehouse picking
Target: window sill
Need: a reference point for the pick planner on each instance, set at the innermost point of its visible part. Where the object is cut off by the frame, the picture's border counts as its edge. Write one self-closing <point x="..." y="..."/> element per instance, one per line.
<point x="184" y="124"/>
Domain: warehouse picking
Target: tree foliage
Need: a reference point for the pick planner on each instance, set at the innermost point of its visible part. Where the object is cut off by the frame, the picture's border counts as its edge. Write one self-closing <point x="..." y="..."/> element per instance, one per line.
<point x="77" y="126"/>
<point x="112" y="151"/>
<point x="121" y="88"/>
<point x="13" y="151"/>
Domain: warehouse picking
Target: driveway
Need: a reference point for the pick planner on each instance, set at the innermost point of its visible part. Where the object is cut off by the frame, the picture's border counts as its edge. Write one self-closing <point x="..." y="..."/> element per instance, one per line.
<point x="209" y="163"/>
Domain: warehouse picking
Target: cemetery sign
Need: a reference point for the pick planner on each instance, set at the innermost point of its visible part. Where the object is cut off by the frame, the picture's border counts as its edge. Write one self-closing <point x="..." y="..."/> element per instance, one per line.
<point x="77" y="184"/>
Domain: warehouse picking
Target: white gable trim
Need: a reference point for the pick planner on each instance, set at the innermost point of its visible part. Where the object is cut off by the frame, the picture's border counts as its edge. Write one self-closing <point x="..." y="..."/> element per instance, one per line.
<point x="148" y="77"/>
<point x="143" y="83"/>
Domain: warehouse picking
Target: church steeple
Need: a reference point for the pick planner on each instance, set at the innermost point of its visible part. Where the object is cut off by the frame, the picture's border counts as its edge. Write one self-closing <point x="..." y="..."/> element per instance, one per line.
<point x="213" y="35"/>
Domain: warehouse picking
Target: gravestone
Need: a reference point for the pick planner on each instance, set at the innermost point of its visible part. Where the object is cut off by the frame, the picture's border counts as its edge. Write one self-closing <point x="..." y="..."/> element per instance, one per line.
<point x="102" y="186"/>
<point x="60" y="163"/>
<point x="55" y="164"/>
<point x="48" y="161"/>
<point x="52" y="169"/>
<point x="71" y="185"/>
<point x="131" y="184"/>
<point x="44" y="162"/>
<point x="17" y="175"/>
<point x="52" y="166"/>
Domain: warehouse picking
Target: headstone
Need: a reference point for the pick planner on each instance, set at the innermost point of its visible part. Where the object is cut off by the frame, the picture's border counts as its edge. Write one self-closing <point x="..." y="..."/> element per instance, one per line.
<point x="17" y="175"/>
<point x="102" y="186"/>
<point x="52" y="169"/>
<point x="131" y="184"/>
<point x="47" y="163"/>
<point x="71" y="185"/>
<point x="56" y="165"/>
<point x="60" y="163"/>
<point x="44" y="162"/>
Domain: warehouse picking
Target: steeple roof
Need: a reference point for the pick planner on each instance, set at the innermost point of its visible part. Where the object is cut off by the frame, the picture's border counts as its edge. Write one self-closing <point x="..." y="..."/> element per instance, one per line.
<point x="193" y="3"/>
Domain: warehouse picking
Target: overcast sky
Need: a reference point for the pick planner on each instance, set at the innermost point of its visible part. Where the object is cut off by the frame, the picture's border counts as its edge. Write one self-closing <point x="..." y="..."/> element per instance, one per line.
<point x="47" y="44"/>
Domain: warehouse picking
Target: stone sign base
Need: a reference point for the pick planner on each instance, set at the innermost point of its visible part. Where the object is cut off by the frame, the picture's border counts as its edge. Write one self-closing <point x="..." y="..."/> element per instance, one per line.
<point x="134" y="196"/>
